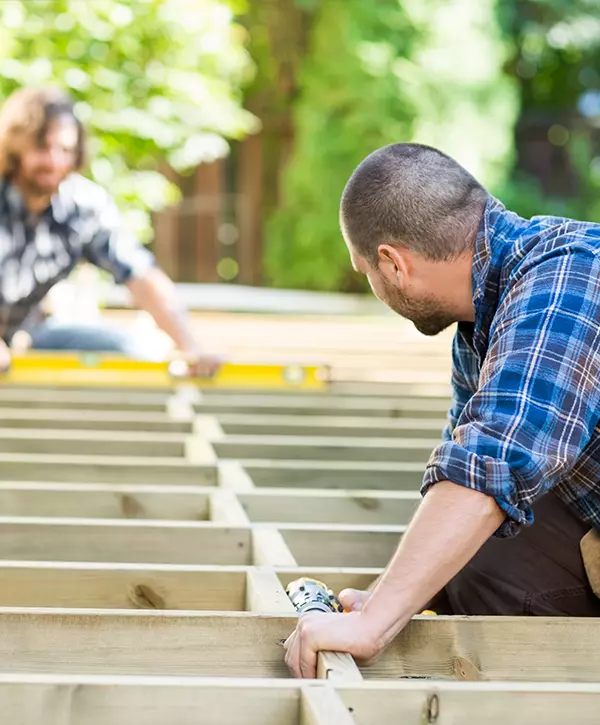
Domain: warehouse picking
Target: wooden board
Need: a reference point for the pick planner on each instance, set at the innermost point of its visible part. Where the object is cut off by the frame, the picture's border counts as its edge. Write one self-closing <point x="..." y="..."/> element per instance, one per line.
<point x="341" y="546"/>
<point x="417" y="703"/>
<point x="181" y="542"/>
<point x="108" y="400"/>
<point x="105" y="501"/>
<point x="155" y="586"/>
<point x="92" y="443"/>
<point x="246" y="645"/>
<point x="101" y="469"/>
<point x="244" y="447"/>
<point x="327" y="506"/>
<point x="29" y="699"/>
<point x="334" y="474"/>
<point x="330" y="425"/>
<point x="98" y="700"/>
<point x="323" y="404"/>
<point x="122" y="586"/>
<point x="92" y="419"/>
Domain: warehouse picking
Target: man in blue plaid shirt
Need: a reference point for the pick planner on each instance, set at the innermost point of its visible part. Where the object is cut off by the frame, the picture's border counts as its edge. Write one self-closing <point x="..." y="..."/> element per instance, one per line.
<point x="515" y="484"/>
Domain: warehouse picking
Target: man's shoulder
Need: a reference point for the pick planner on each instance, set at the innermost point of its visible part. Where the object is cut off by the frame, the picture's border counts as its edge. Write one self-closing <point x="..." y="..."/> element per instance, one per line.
<point x="83" y="195"/>
<point x="545" y="233"/>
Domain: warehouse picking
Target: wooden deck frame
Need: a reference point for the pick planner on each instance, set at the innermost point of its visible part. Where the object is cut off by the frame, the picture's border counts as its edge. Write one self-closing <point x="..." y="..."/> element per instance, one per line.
<point x="97" y="700"/>
<point x="96" y="585"/>
<point x="246" y="644"/>
<point x="148" y="628"/>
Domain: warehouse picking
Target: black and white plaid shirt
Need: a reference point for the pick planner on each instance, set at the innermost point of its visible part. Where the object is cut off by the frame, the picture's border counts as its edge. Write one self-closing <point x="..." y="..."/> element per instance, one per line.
<point x="81" y="223"/>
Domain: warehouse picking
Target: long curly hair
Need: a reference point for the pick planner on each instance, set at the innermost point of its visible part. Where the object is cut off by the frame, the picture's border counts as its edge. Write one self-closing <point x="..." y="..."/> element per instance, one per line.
<point x="25" y="118"/>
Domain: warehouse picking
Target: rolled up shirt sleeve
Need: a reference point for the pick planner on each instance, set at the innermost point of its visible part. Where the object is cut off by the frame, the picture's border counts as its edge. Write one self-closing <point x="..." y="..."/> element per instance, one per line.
<point x="109" y="246"/>
<point x="538" y="399"/>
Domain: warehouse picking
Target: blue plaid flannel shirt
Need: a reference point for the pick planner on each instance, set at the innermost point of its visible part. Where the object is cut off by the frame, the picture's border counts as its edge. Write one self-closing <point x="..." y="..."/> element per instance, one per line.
<point x="526" y="374"/>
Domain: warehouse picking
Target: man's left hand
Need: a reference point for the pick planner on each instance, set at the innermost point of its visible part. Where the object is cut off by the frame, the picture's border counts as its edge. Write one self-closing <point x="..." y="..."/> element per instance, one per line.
<point x="320" y="632"/>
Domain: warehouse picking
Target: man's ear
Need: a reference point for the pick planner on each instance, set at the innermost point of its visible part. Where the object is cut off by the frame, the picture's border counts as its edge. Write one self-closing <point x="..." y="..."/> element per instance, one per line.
<point x="394" y="263"/>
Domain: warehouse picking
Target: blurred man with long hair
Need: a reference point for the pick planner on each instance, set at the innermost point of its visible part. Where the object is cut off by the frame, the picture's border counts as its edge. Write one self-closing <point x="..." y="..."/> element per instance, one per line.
<point x="52" y="218"/>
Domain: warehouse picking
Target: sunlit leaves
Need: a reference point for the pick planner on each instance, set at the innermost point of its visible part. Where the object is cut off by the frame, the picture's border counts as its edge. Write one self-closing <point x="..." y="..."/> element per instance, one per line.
<point x="154" y="81"/>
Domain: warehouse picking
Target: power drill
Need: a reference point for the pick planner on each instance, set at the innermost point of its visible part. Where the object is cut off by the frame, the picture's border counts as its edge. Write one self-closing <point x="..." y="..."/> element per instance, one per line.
<point x="311" y="595"/>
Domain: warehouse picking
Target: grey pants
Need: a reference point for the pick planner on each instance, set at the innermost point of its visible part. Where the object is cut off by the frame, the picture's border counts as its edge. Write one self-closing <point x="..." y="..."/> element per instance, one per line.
<point x="53" y="335"/>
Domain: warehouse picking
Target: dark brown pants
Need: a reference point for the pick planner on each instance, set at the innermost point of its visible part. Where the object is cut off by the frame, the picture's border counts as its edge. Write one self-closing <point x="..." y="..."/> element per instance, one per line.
<point x="539" y="572"/>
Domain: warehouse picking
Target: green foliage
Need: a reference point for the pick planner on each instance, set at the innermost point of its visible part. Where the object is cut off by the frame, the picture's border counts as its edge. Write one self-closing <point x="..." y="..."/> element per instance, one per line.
<point x="378" y="73"/>
<point x="154" y="81"/>
<point x="556" y="63"/>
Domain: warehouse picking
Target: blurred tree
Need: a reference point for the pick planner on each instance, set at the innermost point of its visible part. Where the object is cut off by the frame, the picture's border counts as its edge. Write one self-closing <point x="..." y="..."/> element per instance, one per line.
<point x="556" y="64"/>
<point x="155" y="81"/>
<point x="377" y="73"/>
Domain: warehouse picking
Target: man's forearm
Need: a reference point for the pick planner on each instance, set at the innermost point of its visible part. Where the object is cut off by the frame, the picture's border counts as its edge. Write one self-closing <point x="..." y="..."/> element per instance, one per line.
<point x="450" y="526"/>
<point x="155" y="293"/>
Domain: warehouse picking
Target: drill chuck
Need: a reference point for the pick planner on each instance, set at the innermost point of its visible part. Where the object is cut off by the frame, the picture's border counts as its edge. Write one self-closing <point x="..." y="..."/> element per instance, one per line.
<point x="311" y="595"/>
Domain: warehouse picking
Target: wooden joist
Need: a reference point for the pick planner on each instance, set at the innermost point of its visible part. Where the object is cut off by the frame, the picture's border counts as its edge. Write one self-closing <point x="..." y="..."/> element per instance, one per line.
<point x="176" y="542"/>
<point x="105" y="500"/>
<point x="247" y="644"/>
<point x="30" y="699"/>
<point x="147" y="541"/>
<point x="355" y="427"/>
<point x="386" y="476"/>
<point x="102" y="585"/>
<point x="323" y="404"/>
<point x="394" y="508"/>
<point x="90" y="419"/>
<point x="162" y="444"/>
<point x="103" y="469"/>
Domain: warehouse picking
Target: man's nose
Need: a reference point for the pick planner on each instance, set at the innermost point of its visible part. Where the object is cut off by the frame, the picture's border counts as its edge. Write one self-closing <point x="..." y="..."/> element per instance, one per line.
<point x="56" y="157"/>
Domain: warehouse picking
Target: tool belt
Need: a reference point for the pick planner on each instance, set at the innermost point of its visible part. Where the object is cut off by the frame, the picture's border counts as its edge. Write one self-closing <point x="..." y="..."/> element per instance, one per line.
<point x="590" y="552"/>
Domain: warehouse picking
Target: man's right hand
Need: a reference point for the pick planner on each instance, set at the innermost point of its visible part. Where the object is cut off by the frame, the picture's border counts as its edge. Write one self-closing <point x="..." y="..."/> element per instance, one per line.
<point x="4" y="357"/>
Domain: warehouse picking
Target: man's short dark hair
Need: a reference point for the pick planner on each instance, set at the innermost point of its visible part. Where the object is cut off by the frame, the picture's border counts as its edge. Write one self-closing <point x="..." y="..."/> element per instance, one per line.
<point x="412" y="196"/>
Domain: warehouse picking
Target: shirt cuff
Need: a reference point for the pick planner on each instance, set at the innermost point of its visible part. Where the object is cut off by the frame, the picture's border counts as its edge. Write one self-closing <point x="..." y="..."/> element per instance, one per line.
<point x="126" y="270"/>
<point x="493" y="477"/>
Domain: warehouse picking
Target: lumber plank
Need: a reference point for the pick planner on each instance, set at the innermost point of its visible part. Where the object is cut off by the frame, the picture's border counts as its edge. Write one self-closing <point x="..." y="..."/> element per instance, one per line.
<point x="122" y="586"/>
<point x="323" y="404"/>
<point x="331" y="545"/>
<point x="246" y="645"/>
<point x="265" y="593"/>
<point x="105" y="501"/>
<point x="167" y="586"/>
<point x="334" y="474"/>
<point x="322" y="506"/>
<point x="323" y="706"/>
<point x="269" y="548"/>
<point x="207" y="427"/>
<point x="142" y="642"/>
<point x="92" y="419"/>
<point x="92" y="442"/>
<point x="199" y="452"/>
<point x="105" y="398"/>
<point x="130" y="700"/>
<point x="29" y="699"/>
<point x="101" y="469"/>
<point x="233" y="476"/>
<point x="226" y="509"/>
<point x="177" y="542"/>
<point x="416" y="702"/>
<point x="325" y="448"/>
<point x="330" y="425"/>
